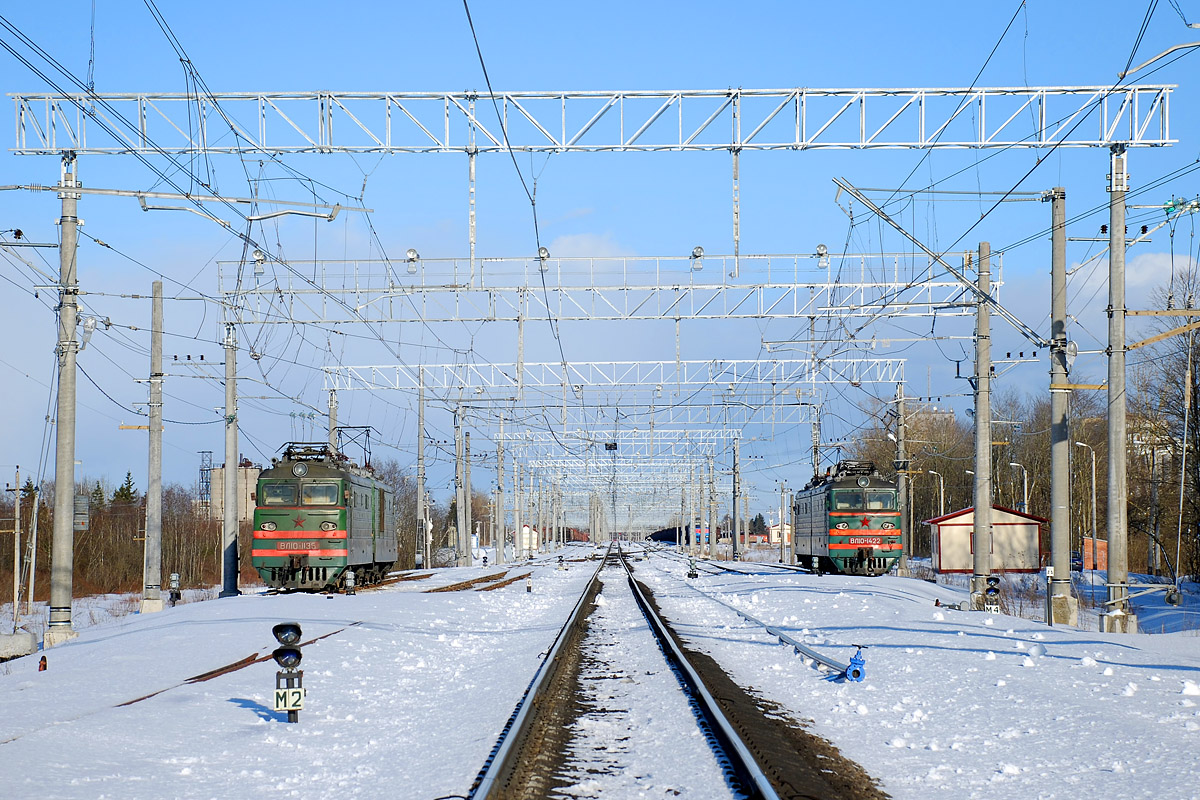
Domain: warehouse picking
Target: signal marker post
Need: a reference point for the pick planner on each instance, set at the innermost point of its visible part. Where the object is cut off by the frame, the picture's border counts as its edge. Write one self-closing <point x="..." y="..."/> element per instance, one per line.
<point x="289" y="681"/>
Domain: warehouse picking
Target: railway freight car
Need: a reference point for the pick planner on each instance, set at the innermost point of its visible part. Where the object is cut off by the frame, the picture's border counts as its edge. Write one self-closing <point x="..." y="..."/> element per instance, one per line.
<point x="318" y="515"/>
<point x="847" y="521"/>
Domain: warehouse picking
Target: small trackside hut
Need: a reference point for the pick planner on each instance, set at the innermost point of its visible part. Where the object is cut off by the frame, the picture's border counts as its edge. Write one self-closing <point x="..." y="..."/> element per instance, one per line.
<point x="847" y="521"/>
<point x="1016" y="541"/>
<point x="317" y="515"/>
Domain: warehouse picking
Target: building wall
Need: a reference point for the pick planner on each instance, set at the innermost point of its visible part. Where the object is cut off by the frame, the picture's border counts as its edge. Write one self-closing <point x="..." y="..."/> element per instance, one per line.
<point x="1016" y="543"/>
<point x="247" y="481"/>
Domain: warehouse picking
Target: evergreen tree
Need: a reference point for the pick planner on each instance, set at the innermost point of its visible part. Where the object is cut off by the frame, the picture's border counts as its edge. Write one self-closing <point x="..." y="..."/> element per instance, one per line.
<point x="97" y="500"/>
<point x="27" y="491"/>
<point x="758" y="526"/>
<point x="126" y="493"/>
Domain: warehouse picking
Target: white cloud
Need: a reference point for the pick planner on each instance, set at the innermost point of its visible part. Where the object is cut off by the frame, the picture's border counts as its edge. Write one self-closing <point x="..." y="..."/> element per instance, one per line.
<point x="587" y="245"/>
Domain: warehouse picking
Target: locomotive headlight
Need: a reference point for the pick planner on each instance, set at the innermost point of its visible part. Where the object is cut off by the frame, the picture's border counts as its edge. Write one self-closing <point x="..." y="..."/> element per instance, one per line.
<point x="268" y="526"/>
<point x="300" y="470"/>
<point x="863" y="482"/>
<point x="887" y="525"/>
<point x="328" y="526"/>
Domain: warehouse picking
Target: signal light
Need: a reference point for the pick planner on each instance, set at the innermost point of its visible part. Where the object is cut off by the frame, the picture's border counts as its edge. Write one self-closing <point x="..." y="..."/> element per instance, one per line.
<point x="288" y="635"/>
<point x="289" y="681"/>
<point x="991" y="589"/>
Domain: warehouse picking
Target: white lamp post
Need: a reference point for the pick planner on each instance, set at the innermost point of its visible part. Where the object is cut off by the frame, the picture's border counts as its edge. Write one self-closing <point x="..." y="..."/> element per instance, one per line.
<point x="1025" y="486"/>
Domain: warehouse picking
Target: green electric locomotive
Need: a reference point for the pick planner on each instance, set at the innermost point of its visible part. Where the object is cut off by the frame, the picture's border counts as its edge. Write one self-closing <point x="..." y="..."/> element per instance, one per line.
<point x="847" y="521"/>
<point x="318" y="515"/>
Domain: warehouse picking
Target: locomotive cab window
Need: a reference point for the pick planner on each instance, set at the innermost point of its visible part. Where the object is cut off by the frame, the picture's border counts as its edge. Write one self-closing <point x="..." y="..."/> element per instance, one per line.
<point x="848" y="500"/>
<point x="881" y="500"/>
<point x="319" y="494"/>
<point x="277" y="494"/>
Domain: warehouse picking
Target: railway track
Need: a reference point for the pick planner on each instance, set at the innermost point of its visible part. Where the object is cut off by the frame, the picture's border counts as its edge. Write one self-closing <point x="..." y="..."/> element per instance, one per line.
<point x="618" y="691"/>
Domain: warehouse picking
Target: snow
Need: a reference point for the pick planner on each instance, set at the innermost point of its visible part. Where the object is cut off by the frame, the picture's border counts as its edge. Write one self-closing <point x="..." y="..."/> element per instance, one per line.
<point x="408" y="690"/>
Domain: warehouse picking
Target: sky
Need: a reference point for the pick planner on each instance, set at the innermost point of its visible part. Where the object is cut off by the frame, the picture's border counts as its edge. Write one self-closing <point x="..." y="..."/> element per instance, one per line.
<point x="407" y="691"/>
<point x="635" y="204"/>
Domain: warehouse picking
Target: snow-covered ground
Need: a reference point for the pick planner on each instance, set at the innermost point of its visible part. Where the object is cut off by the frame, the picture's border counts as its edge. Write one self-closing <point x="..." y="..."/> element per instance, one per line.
<point x="408" y="692"/>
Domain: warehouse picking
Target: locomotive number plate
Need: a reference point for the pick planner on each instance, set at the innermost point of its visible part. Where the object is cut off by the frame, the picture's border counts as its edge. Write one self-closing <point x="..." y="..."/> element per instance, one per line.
<point x="289" y="699"/>
<point x="866" y="540"/>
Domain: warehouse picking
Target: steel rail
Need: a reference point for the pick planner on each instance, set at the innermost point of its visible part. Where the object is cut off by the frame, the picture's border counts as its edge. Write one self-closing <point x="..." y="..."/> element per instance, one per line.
<point x="739" y="755"/>
<point x="489" y="783"/>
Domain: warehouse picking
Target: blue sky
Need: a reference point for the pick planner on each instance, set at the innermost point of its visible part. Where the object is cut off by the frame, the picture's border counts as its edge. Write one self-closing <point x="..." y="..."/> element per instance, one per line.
<point x="603" y="204"/>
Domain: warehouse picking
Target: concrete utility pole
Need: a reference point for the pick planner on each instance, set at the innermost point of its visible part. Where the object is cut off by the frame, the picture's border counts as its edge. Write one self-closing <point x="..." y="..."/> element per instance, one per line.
<point x="423" y="529"/>
<point x="1064" y="607"/>
<point x="816" y="439"/>
<point x="467" y="515"/>
<point x="782" y="504"/>
<point x="902" y="465"/>
<point x="333" y="409"/>
<point x="518" y="530"/>
<point x="62" y="566"/>
<point x="711" y="540"/>
<point x="152" y="567"/>
<point x="16" y="490"/>
<point x="460" y="520"/>
<point x="501" y="513"/>
<point x="1118" y="617"/>
<point x="981" y="536"/>
<point x="229" y="536"/>
<point x="736" y="494"/>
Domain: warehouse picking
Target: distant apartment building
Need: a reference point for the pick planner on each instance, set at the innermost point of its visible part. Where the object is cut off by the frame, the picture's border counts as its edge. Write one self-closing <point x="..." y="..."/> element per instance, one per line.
<point x="247" y="481"/>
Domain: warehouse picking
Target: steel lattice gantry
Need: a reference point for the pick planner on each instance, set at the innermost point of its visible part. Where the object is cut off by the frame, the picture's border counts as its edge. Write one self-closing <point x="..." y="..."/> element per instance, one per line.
<point x="723" y="375"/>
<point x="568" y="289"/>
<point x="561" y="122"/>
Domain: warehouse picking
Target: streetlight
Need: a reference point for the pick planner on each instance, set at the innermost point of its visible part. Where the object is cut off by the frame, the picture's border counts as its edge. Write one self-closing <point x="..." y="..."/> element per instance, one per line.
<point x="1025" y="485"/>
<point x="1093" y="451"/>
<point x="941" y="492"/>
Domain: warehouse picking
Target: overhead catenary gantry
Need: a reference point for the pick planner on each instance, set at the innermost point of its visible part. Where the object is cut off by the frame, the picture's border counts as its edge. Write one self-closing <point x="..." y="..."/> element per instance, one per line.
<point x="809" y="285"/>
<point x="567" y="121"/>
<point x="733" y="120"/>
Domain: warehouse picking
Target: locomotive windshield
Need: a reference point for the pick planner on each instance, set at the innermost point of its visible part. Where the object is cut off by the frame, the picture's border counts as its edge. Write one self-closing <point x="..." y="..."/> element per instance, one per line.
<point x="881" y="500"/>
<point x="319" y="494"/>
<point x="278" y="494"/>
<point x="870" y="500"/>
<point x="848" y="500"/>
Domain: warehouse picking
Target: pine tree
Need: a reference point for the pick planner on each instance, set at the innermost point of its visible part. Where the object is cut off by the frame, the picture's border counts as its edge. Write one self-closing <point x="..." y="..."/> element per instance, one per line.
<point x="126" y="493"/>
<point x="97" y="500"/>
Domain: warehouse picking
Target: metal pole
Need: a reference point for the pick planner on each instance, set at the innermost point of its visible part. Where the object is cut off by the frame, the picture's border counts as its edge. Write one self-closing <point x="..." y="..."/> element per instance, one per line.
<point x="736" y="494"/>
<point x="152" y="568"/>
<point x="460" y="521"/>
<point x="1064" y="606"/>
<point x="471" y="203"/>
<point x="229" y="534"/>
<point x="737" y="213"/>
<point x="1118" y="617"/>
<point x="711" y="540"/>
<point x="816" y="439"/>
<point x="17" y="550"/>
<point x="981" y="535"/>
<point x="333" y="409"/>
<point x="421" y="511"/>
<point x="62" y="551"/>
<point x="467" y="499"/>
<point x="518" y="531"/>
<point x="502" y="514"/>
<point x="782" y="499"/>
<point x="32" y="558"/>
<point x="902" y="483"/>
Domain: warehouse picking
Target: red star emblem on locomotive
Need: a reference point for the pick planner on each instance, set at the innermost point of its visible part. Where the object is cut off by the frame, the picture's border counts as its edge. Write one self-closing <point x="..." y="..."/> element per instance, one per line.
<point x="866" y="522"/>
<point x="298" y="521"/>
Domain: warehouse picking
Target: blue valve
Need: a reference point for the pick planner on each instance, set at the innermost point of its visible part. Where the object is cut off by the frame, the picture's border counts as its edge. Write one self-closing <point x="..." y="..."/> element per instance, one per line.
<point x="857" y="668"/>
